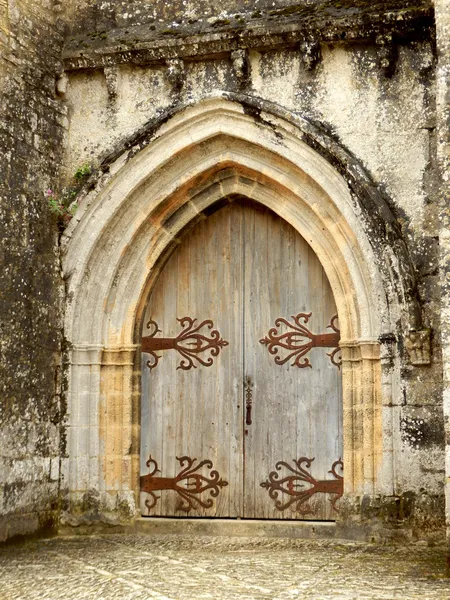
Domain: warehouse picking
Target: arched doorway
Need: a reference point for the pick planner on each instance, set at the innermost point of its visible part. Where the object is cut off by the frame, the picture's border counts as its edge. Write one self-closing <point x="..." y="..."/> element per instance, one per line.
<point x="133" y="216"/>
<point x="241" y="407"/>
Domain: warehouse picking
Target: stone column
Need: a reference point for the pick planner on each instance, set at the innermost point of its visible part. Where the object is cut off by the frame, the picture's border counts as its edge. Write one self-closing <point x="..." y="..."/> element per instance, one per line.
<point x="361" y="384"/>
<point x="82" y="473"/>
<point x="118" y="421"/>
<point x="442" y="12"/>
<point x="103" y="434"/>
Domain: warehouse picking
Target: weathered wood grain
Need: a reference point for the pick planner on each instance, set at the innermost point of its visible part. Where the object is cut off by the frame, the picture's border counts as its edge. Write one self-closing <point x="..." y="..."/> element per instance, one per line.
<point x="243" y="268"/>
<point x="296" y="412"/>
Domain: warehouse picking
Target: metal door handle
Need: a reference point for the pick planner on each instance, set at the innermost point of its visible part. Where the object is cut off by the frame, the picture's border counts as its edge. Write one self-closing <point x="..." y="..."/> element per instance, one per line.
<point x="248" y="403"/>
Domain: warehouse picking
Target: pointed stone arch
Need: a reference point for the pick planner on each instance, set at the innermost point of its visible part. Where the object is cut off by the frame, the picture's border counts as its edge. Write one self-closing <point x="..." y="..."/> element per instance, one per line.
<point x="162" y="182"/>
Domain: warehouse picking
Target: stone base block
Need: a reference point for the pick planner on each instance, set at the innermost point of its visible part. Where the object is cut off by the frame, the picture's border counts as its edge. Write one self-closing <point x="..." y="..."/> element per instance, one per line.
<point x="236" y="527"/>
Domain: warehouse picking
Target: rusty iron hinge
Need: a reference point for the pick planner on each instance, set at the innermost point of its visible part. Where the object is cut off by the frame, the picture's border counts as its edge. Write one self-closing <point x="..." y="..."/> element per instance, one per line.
<point x="190" y="343"/>
<point x="298" y="340"/>
<point x="293" y="485"/>
<point x="195" y="483"/>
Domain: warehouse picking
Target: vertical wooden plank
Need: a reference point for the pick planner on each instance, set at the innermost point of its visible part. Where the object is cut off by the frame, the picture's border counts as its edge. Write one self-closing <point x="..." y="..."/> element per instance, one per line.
<point x="296" y="411"/>
<point x="243" y="267"/>
<point x="197" y="413"/>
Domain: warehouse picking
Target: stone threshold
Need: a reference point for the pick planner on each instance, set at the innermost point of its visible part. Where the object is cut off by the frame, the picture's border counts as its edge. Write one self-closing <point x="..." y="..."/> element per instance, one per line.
<point x="237" y="527"/>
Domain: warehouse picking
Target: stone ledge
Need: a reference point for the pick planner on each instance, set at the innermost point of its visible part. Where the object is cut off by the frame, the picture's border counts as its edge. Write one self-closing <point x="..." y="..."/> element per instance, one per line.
<point x="330" y="23"/>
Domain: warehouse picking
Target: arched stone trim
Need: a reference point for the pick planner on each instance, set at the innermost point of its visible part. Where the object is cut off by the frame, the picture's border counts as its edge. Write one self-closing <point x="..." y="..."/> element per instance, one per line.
<point x="128" y="224"/>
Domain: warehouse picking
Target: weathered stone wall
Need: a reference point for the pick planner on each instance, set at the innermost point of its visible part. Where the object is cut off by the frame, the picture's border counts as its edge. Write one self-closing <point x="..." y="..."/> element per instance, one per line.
<point x="95" y="15"/>
<point x="159" y="16"/>
<point x="364" y="72"/>
<point x="375" y="94"/>
<point x="31" y="134"/>
<point x="443" y="154"/>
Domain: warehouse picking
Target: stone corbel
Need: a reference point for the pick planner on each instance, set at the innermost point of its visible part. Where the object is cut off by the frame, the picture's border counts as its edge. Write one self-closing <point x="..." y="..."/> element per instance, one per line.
<point x="241" y="67"/>
<point x="111" y="82"/>
<point x="175" y="73"/>
<point x="62" y="85"/>
<point x="418" y="345"/>
<point x="310" y="53"/>
<point x="387" y="54"/>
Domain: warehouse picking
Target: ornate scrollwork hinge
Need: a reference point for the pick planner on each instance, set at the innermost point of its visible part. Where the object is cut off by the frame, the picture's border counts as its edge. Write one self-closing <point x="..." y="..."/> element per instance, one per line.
<point x="294" y="485"/>
<point x="298" y="340"/>
<point x="190" y="343"/>
<point x="195" y="483"/>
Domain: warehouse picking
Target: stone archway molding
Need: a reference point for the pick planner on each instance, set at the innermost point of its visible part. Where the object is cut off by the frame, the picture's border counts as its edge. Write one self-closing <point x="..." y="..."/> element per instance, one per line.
<point x="136" y="212"/>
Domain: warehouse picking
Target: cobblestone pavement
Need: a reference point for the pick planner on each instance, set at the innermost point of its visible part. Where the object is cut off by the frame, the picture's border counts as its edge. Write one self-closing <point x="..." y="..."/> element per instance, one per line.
<point x="131" y="567"/>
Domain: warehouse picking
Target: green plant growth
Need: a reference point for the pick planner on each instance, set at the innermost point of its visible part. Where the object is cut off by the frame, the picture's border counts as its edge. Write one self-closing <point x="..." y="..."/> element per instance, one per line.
<point x="82" y="172"/>
<point x="63" y="204"/>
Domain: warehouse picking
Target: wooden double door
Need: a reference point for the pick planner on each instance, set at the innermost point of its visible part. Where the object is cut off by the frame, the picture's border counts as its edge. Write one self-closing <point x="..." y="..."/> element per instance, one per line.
<point x="241" y="383"/>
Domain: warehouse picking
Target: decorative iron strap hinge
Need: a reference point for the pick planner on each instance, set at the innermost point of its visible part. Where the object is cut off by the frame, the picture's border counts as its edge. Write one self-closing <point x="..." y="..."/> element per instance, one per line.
<point x="298" y="340"/>
<point x="190" y="343"/>
<point x="195" y="484"/>
<point x="293" y="485"/>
